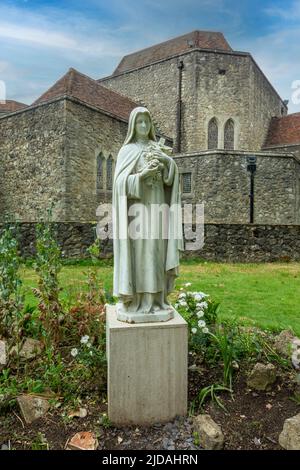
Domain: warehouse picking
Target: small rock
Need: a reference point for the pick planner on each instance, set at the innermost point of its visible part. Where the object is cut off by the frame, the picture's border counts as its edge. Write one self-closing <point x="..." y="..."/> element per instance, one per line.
<point x="262" y="376"/>
<point x="257" y="442"/>
<point x="210" y="433"/>
<point x="32" y="407"/>
<point x="83" y="441"/>
<point x="81" y="413"/>
<point x="169" y="427"/>
<point x="165" y="443"/>
<point x="283" y="343"/>
<point x="289" y="438"/>
<point x="127" y="443"/>
<point x="30" y="349"/>
<point x="3" y="355"/>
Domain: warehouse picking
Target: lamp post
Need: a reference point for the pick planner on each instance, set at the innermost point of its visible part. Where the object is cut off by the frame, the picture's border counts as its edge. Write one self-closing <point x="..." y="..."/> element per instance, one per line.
<point x="251" y="167"/>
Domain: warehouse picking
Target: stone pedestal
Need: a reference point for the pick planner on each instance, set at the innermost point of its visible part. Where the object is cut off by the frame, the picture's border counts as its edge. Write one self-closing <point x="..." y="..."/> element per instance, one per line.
<point x="147" y="370"/>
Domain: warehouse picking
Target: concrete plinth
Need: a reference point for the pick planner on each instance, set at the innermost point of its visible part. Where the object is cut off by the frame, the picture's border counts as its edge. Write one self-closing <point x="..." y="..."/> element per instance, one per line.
<point x="147" y="370"/>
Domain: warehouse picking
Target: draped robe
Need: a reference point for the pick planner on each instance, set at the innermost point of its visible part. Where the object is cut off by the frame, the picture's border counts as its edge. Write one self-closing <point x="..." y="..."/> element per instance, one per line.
<point x="145" y="268"/>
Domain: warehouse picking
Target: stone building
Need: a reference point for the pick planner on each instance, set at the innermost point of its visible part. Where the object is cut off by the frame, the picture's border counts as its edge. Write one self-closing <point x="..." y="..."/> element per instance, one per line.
<point x="212" y="103"/>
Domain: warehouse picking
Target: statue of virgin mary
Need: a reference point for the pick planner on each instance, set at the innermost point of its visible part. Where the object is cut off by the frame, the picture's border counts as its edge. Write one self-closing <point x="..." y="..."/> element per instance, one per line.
<point x="146" y="252"/>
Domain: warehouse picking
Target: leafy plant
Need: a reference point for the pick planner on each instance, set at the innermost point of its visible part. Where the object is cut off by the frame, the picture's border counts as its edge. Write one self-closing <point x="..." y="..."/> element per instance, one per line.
<point x="47" y="266"/>
<point x="11" y="296"/>
<point x="199" y="311"/>
<point x="211" y="391"/>
<point x="40" y="442"/>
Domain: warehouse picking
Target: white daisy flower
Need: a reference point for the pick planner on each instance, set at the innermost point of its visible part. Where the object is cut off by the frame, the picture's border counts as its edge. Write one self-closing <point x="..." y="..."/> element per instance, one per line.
<point x="74" y="352"/>
<point x="201" y="323"/>
<point x="194" y="330"/>
<point x="200" y="314"/>
<point x="183" y="303"/>
<point x="197" y="297"/>
<point x="203" y="305"/>
<point x="205" y="330"/>
<point x="182" y="296"/>
<point x="84" y="339"/>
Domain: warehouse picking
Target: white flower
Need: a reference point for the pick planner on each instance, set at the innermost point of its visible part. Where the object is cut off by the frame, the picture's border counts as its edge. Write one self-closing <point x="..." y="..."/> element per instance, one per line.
<point x="197" y="297"/>
<point x="88" y="345"/>
<point x="296" y="359"/>
<point x="200" y="314"/>
<point x="182" y="296"/>
<point x="205" y="330"/>
<point x="74" y="352"/>
<point x="183" y="303"/>
<point x="188" y="284"/>
<point x="203" y="305"/>
<point x="201" y="323"/>
<point x="194" y="330"/>
<point x="181" y="288"/>
<point x="295" y="343"/>
<point x="84" y="339"/>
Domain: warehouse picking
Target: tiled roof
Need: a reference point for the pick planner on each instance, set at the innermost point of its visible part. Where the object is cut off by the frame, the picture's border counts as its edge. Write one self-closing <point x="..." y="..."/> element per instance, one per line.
<point x="195" y="39"/>
<point x="284" y="131"/>
<point x="10" y="106"/>
<point x="77" y="85"/>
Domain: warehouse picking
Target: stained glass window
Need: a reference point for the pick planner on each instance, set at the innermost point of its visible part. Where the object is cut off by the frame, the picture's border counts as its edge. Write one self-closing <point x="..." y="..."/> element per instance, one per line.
<point x="229" y="135"/>
<point x="212" y="134"/>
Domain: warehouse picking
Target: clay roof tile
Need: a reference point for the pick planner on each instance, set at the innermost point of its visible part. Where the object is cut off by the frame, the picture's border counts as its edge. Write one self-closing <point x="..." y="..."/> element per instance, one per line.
<point x="283" y="130"/>
<point x="180" y="44"/>
<point x="77" y="85"/>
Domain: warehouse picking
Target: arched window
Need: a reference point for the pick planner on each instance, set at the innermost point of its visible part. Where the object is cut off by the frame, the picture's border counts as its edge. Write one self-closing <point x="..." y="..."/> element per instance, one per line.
<point x="229" y="135"/>
<point x="212" y="134"/>
<point x="109" y="173"/>
<point x="100" y="172"/>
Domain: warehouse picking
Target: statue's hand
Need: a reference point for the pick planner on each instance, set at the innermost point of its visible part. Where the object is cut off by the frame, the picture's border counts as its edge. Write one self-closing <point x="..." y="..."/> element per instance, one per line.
<point x="149" y="171"/>
<point x="164" y="159"/>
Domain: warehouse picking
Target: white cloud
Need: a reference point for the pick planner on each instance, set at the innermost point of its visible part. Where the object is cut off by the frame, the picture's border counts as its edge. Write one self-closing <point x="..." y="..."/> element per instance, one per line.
<point x="278" y="55"/>
<point x="289" y="13"/>
<point x="38" y="36"/>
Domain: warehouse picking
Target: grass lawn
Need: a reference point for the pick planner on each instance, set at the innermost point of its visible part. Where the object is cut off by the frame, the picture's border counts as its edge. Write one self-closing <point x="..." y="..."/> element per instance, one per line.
<point x="265" y="295"/>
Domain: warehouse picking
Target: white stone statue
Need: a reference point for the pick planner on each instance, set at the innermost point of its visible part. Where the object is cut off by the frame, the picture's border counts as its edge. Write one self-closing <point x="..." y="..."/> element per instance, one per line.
<point x="146" y="250"/>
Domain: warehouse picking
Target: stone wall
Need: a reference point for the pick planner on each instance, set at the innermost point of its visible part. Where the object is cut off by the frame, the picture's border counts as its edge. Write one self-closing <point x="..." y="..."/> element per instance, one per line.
<point x="48" y="154"/>
<point x="89" y="133"/>
<point x="222" y="242"/>
<point x="221" y="182"/>
<point x="214" y="84"/>
<point x="32" y="162"/>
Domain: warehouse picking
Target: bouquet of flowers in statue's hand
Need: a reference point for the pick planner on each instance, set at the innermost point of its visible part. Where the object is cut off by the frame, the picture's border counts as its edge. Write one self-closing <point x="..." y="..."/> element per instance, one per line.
<point x="152" y="162"/>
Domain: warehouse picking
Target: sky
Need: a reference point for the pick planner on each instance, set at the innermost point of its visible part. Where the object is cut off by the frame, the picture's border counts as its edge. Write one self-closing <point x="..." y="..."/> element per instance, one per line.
<point x="40" y="40"/>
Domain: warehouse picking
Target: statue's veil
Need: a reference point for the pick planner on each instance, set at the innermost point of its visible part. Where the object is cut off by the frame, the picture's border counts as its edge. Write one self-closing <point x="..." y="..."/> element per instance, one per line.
<point x="131" y="124"/>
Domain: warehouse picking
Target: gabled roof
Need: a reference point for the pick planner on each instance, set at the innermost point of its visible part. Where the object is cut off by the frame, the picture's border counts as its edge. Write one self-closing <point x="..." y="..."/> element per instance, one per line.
<point x="163" y="50"/>
<point x="77" y="85"/>
<point x="10" y="106"/>
<point x="284" y="130"/>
